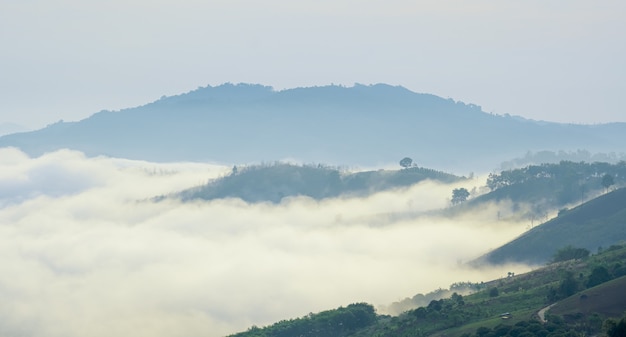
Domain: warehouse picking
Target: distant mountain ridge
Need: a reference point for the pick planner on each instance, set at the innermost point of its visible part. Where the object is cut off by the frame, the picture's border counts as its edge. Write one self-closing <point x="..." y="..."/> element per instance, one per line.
<point x="359" y="125"/>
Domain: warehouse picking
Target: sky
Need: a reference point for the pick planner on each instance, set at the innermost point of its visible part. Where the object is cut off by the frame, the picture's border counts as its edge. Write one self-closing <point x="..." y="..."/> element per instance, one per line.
<point x="560" y="60"/>
<point x="86" y="253"/>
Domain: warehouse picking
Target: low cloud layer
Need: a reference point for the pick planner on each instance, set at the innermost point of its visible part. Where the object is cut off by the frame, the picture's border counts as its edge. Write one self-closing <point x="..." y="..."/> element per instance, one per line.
<point x="86" y="253"/>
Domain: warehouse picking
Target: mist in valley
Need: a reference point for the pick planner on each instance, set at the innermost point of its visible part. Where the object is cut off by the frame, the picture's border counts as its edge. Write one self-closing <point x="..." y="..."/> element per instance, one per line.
<point x="84" y="243"/>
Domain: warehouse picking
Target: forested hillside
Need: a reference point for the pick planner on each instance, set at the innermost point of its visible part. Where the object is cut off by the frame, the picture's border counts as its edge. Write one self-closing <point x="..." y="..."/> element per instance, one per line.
<point x="273" y="182"/>
<point x="555" y="157"/>
<point x="553" y="186"/>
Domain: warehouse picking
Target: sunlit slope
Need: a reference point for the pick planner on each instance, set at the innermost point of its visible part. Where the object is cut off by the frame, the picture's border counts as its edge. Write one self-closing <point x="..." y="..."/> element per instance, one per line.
<point x="600" y="222"/>
<point x="360" y="125"/>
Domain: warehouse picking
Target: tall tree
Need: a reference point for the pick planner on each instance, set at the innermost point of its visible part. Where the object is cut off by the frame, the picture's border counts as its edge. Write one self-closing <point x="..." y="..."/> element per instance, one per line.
<point x="459" y="195"/>
<point x="406" y="162"/>
<point x="568" y="286"/>
<point x="569" y="253"/>
<point x="607" y="181"/>
<point x="614" y="328"/>
<point x="599" y="275"/>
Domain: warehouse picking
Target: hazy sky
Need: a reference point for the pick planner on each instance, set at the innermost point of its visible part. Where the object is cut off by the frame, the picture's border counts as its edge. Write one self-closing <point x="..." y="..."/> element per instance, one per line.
<point x="86" y="254"/>
<point x="560" y="60"/>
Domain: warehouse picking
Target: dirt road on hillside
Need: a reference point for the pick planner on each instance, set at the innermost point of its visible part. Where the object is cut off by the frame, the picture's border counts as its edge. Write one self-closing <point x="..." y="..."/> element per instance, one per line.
<point x="542" y="313"/>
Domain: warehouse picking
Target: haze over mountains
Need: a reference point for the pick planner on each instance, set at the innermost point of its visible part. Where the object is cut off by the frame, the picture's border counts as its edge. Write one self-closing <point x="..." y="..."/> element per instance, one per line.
<point x="83" y="243"/>
<point x="229" y="246"/>
<point x="359" y="125"/>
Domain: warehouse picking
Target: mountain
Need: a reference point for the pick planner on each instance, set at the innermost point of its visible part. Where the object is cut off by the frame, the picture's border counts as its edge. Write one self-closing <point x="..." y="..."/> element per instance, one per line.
<point x="359" y="125"/>
<point x="600" y="222"/>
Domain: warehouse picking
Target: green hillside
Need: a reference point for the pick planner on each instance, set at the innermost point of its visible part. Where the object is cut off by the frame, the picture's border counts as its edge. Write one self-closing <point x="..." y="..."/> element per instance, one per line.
<point x="552" y="186"/>
<point x="606" y="299"/>
<point x="503" y="307"/>
<point x="276" y="181"/>
<point x="545" y="187"/>
<point x="600" y="222"/>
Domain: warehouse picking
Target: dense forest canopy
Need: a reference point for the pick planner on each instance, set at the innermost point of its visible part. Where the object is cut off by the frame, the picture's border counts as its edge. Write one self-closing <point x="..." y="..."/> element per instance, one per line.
<point x="555" y="185"/>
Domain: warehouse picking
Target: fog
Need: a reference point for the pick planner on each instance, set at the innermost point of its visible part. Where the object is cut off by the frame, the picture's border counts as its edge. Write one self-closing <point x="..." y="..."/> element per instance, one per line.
<point x="85" y="252"/>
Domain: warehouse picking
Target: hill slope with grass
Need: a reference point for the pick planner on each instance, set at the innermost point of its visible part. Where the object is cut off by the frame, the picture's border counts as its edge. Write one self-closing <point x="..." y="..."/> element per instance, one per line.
<point x="503" y="307"/>
<point x="606" y="299"/>
<point x="600" y="222"/>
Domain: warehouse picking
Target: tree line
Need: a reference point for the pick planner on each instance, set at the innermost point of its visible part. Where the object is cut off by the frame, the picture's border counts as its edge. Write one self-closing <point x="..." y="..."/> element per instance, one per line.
<point x="591" y="175"/>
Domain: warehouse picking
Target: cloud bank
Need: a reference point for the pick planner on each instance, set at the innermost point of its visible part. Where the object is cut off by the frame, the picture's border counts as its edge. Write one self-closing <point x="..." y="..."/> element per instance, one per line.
<point x="85" y="252"/>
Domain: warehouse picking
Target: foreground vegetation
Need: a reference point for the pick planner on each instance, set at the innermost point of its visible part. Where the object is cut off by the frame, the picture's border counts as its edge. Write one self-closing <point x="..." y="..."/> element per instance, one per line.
<point x="504" y="307"/>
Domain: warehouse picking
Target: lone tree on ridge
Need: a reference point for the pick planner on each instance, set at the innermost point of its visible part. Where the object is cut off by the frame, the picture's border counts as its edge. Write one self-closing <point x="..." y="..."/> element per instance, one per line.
<point x="406" y="162"/>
